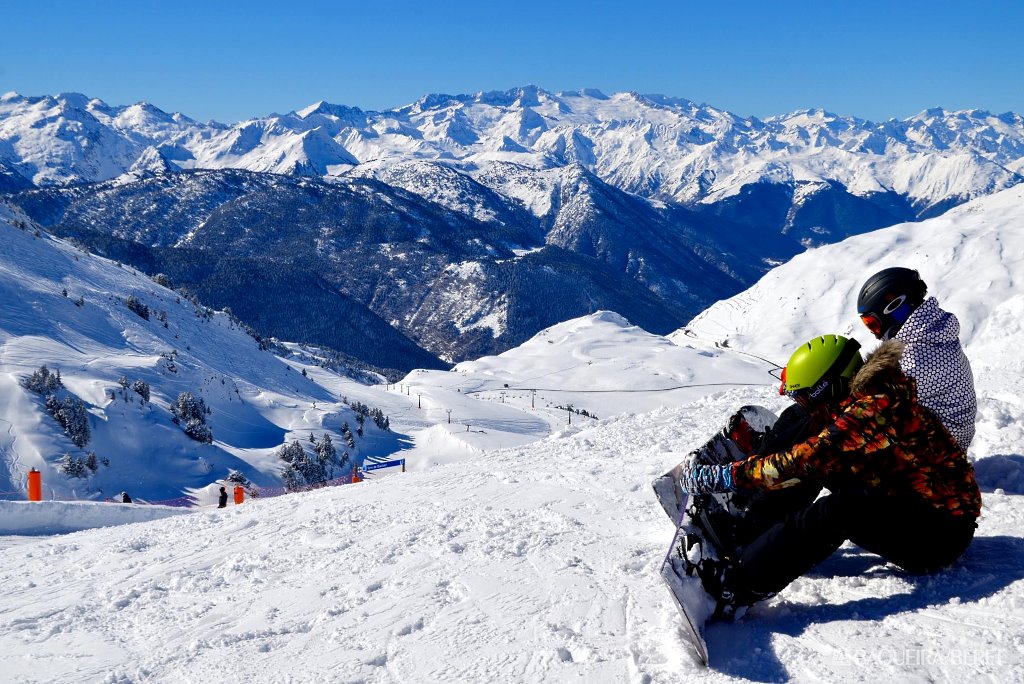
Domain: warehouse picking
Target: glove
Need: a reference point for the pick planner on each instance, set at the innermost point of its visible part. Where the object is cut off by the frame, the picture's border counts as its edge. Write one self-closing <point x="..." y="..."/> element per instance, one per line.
<point x="705" y="479"/>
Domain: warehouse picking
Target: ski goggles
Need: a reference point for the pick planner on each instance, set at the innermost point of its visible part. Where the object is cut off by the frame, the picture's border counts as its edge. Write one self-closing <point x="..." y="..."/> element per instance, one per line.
<point x="779" y="373"/>
<point x="873" y="323"/>
<point x="897" y="309"/>
<point x="800" y="396"/>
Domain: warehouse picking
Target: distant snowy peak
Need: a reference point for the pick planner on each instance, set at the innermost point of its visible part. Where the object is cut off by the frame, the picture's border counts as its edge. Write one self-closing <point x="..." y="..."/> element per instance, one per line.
<point x="324" y="108"/>
<point x="665" y="148"/>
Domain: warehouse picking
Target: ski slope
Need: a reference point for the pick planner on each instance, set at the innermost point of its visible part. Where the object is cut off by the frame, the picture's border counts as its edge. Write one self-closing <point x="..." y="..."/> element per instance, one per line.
<point x="66" y="308"/>
<point x="519" y="548"/>
<point x="535" y="563"/>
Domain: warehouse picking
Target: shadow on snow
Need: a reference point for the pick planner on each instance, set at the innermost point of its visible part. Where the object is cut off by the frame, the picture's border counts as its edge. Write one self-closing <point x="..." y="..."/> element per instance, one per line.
<point x="1002" y="471"/>
<point x="744" y="649"/>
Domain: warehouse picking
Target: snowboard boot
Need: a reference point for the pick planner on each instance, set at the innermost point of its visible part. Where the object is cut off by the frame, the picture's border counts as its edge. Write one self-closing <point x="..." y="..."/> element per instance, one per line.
<point x="708" y="552"/>
<point x="731" y="602"/>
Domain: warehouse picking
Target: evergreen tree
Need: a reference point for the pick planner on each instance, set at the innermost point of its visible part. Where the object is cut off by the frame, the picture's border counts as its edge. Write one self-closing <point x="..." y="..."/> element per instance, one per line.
<point x="380" y="419"/>
<point x="141" y="387"/>
<point x="327" y="456"/>
<point x="190" y="412"/>
<point x="43" y="382"/>
<point x="300" y="471"/>
<point x="70" y="412"/>
<point x="137" y="307"/>
<point x="346" y="432"/>
<point x="72" y="466"/>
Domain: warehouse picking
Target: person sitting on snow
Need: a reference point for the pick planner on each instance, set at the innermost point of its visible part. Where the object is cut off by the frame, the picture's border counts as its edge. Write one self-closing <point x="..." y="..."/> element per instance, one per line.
<point x="900" y="483"/>
<point x="892" y="305"/>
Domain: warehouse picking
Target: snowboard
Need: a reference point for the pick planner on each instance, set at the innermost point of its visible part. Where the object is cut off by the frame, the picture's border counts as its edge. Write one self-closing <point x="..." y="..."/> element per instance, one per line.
<point x="694" y="604"/>
<point x="694" y="539"/>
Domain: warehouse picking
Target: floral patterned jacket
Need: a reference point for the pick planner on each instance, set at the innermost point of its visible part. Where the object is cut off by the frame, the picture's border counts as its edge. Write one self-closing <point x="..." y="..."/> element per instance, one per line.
<point x="882" y="439"/>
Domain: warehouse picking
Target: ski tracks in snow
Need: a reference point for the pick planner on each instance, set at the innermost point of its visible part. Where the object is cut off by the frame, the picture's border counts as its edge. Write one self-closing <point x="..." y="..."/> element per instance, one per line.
<point x="535" y="564"/>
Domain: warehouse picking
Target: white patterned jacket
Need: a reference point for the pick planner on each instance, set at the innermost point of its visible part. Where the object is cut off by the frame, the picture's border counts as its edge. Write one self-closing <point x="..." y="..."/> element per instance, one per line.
<point x="934" y="358"/>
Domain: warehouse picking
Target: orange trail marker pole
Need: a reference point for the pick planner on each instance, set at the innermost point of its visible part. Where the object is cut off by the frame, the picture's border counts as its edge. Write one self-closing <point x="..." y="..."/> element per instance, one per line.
<point x="35" y="485"/>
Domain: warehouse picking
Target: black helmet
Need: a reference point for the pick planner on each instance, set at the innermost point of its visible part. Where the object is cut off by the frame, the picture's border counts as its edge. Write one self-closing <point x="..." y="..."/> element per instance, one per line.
<point x="888" y="298"/>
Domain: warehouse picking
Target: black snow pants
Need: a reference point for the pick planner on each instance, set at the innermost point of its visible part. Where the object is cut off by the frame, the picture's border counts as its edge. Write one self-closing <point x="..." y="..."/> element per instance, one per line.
<point x="910" y="533"/>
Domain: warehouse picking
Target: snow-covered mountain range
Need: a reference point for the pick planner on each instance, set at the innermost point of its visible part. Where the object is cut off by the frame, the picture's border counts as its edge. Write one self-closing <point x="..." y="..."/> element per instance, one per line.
<point x="651" y="145"/>
<point x="469" y="276"/>
<point x="453" y="217"/>
<point x="518" y="547"/>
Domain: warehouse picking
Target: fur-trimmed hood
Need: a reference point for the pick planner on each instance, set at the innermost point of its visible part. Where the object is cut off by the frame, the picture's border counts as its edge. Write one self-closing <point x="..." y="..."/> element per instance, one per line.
<point x="884" y="361"/>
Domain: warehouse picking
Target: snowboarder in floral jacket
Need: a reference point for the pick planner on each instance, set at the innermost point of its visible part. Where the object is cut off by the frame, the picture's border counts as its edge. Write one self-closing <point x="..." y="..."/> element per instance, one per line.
<point x="900" y="483"/>
<point x="889" y="440"/>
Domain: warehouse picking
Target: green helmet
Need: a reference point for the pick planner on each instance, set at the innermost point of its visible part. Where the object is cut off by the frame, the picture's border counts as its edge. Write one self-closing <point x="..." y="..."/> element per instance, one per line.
<point x="823" y="367"/>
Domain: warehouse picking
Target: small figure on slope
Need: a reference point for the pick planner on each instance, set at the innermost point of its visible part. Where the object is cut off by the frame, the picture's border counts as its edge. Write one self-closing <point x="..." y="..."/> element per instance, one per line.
<point x="222" y="500"/>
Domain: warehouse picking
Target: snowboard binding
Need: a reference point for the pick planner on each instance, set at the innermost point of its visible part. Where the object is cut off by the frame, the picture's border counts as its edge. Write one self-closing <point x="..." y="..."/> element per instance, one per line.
<point x="703" y="555"/>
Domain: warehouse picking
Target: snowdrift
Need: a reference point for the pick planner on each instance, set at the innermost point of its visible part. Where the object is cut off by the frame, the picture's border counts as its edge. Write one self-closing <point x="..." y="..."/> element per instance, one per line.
<point x="61" y="517"/>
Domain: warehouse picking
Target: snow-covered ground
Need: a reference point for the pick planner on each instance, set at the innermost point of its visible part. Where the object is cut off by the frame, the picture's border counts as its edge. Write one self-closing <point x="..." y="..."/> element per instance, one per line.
<point x="520" y="548"/>
<point x="19" y="518"/>
<point x="535" y="563"/>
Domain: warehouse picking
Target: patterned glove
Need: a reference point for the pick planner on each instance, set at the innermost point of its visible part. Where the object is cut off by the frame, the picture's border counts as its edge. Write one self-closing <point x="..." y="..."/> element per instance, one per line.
<point x="706" y="479"/>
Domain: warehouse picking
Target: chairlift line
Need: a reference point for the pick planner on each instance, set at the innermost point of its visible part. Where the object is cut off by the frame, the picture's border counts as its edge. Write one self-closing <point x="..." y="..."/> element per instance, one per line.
<point x="625" y="391"/>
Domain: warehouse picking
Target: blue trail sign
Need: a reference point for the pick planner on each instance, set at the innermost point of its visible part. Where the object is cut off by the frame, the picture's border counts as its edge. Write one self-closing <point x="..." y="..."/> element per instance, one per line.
<point x="385" y="464"/>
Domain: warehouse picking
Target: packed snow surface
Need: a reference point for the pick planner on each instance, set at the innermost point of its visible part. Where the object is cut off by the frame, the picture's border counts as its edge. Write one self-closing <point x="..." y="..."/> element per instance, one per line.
<point x="23" y="518"/>
<point x="520" y="548"/>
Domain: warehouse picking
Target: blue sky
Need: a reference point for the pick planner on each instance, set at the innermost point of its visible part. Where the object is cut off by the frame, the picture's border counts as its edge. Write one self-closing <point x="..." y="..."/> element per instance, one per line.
<point x="230" y="61"/>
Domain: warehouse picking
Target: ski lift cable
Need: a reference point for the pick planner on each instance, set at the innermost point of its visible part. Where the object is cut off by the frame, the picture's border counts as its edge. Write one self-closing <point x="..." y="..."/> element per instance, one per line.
<point x="624" y="391"/>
